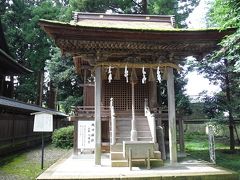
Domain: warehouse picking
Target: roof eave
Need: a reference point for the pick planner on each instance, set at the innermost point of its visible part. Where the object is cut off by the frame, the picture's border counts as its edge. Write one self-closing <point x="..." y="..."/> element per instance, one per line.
<point x="21" y="68"/>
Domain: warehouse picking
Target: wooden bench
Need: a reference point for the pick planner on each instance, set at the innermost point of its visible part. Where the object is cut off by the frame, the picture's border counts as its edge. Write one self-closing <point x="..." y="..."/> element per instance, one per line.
<point x="138" y="150"/>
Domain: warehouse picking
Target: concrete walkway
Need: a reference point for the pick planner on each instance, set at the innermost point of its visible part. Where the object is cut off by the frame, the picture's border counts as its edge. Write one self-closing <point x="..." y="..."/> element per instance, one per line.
<point x="82" y="167"/>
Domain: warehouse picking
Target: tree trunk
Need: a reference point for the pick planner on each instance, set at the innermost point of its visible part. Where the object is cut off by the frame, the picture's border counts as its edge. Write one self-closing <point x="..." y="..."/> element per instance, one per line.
<point x="52" y="96"/>
<point x="40" y="79"/>
<point x="230" y="117"/>
<point x="144" y="7"/>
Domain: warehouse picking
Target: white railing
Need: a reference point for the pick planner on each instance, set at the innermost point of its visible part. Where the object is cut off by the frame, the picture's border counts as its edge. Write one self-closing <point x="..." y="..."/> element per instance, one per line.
<point x="151" y="120"/>
<point x="113" y="122"/>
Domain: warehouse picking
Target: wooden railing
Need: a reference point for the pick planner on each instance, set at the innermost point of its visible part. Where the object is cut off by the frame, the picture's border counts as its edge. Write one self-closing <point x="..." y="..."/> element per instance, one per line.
<point x="151" y="121"/>
<point x="113" y="122"/>
<point x="89" y="112"/>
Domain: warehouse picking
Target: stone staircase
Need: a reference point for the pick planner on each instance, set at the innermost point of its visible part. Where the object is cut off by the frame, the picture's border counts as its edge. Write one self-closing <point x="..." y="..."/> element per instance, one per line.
<point x="123" y="131"/>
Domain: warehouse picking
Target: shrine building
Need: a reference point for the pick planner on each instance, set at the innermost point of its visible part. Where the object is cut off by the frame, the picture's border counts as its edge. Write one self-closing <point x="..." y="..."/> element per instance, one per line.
<point x="123" y="59"/>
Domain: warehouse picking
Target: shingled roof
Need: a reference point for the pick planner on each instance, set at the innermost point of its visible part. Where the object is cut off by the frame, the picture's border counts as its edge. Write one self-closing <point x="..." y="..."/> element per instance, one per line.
<point x="7" y="104"/>
<point x="9" y="66"/>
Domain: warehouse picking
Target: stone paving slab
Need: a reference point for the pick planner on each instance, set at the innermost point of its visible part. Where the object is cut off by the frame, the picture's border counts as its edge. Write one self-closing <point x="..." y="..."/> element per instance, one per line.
<point x="82" y="167"/>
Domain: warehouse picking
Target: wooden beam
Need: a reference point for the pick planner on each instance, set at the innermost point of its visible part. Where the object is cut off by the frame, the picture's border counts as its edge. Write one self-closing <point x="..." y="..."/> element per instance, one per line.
<point x="138" y="65"/>
<point x="98" y="141"/>
<point x="171" y="117"/>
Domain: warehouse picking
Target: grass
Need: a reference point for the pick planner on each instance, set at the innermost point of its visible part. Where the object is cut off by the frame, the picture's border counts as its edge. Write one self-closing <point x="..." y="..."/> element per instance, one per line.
<point x="26" y="165"/>
<point x="197" y="147"/>
<point x="18" y="165"/>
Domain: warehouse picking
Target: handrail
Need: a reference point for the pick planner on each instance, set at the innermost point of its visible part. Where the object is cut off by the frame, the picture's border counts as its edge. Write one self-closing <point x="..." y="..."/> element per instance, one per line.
<point x="151" y="121"/>
<point x="113" y="122"/>
<point x="89" y="111"/>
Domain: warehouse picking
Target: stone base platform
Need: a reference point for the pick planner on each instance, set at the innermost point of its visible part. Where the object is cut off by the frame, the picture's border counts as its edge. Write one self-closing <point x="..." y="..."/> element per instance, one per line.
<point x="82" y="167"/>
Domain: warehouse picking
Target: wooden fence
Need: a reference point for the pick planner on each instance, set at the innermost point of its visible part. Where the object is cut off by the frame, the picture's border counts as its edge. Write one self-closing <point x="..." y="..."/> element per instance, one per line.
<point x="16" y="132"/>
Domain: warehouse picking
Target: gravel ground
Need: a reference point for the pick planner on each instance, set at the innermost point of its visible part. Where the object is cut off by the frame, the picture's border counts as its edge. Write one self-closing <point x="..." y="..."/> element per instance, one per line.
<point x="51" y="154"/>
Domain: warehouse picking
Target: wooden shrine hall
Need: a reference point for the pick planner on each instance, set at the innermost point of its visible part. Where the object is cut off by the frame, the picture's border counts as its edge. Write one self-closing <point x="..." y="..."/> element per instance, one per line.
<point x="122" y="59"/>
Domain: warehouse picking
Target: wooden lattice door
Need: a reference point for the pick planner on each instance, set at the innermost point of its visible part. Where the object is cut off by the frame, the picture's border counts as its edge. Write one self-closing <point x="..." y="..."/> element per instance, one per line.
<point x="121" y="91"/>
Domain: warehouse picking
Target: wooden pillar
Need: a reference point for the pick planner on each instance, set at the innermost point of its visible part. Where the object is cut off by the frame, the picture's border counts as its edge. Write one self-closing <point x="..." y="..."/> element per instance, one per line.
<point x="98" y="141"/>
<point x="75" y="138"/>
<point x="133" y="130"/>
<point x="84" y="87"/>
<point x="181" y="136"/>
<point x="171" y="117"/>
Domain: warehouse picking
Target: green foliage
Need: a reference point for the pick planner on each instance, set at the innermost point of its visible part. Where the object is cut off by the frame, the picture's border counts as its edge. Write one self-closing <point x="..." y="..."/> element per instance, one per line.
<point x="226" y="14"/>
<point x="63" y="137"/>
<point x="62" y="73"/>
<point x="180" y="10"/>
<point x="28" y="41"/>
<point x="182" y="101"/>
<point x="222" y="66"/>
<point x="157" y="7"/>
<point x="197" y="147"/>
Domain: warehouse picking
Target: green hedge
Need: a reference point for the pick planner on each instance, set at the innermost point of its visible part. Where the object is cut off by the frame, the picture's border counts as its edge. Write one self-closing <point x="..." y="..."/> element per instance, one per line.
<point x="63" y="137"/>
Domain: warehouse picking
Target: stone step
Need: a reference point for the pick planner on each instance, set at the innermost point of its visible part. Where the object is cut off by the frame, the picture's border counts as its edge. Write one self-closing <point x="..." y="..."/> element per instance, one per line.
<point x="128" y="133"/>
<point x="139" y="119"/>
<point x="130" y="118"/>
<point x="125" y="127"/>
<point x="116" y="148"/>
<point x="137" y="163"/>
<point x="116" y="156"/>
<point x="128" y="128"/>
<point x="120" y="122"/>
<point x="144" y="138"/>
<point x="119" y="163"/>
<point x="129" y="115"/>
<point x="120" y="139"/>
<point x="119" y="155"/>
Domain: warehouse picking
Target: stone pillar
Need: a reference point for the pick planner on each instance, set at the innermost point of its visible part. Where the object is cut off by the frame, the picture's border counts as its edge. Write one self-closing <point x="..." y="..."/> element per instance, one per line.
<point x="171" y="116"/>
<point x="133" y="130"/>
<point x="98" y="138"/>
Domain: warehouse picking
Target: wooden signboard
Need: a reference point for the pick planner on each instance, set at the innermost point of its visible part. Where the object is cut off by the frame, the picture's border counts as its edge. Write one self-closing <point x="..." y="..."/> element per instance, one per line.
<point x="43" y="122"/>
<point x="86" y="137"/>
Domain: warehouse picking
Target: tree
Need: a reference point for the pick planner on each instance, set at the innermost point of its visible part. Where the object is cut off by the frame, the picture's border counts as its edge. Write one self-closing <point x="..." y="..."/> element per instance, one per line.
<point x="220" y="71"/>
<point x="178" y="8"/>
<point x="222" y="66"/>
<point x="63" y="75"/>
<point x="181" y="9"/>
<point x="29" y="42"/>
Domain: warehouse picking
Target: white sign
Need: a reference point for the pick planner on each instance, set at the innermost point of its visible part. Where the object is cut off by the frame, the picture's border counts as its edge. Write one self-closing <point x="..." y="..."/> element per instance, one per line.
<point x="86" y="137"/>
<point x="43" y="122"/>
